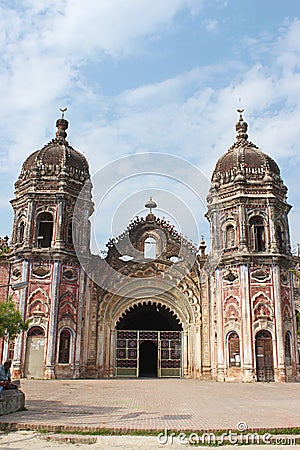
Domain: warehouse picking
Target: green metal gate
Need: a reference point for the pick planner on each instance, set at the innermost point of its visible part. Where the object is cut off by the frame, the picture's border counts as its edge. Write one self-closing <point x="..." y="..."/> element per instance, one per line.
<point x="169" y="355"/>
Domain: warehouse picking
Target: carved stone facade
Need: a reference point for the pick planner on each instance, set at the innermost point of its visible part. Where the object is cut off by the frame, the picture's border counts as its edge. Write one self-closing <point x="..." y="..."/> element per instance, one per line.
<point x="156" y="305"/>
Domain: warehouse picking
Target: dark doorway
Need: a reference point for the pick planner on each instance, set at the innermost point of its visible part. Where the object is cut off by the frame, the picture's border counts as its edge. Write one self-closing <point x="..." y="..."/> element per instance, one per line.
<point x="264" y="356"/>
<point x="148" y="359"/>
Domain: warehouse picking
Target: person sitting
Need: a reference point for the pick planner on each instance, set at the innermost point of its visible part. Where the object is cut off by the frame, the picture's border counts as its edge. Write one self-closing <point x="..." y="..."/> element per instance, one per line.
<point x="5" y="377"/>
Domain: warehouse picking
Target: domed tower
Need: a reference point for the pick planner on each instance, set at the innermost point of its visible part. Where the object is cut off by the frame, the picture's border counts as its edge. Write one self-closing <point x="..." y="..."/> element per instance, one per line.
<point x="50" y="183"/>
<point x="250" y="260"/>
<point x="48" y="187"/>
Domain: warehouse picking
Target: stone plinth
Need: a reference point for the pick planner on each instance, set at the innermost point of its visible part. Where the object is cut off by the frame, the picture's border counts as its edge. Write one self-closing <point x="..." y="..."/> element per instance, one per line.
<point x="12" y="400"/>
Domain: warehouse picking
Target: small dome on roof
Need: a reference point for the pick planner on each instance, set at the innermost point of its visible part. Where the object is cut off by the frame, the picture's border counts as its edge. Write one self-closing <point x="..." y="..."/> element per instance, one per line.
<point x="244" y="160"/>
<point x="56" y="156"/>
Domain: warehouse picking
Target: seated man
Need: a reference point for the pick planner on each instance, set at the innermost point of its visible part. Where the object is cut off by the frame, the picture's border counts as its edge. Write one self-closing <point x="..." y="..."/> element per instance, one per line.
<point x="5" y="377"/>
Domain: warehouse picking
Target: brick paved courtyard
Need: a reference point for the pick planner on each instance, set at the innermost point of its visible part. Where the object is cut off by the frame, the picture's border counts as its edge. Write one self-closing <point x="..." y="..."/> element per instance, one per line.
<point x="158" y="403"/>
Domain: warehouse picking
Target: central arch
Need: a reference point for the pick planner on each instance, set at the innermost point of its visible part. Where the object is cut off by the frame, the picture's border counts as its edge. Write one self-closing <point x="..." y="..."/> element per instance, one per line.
<point x="148" y="342"/>
<point x="120" y="332"/>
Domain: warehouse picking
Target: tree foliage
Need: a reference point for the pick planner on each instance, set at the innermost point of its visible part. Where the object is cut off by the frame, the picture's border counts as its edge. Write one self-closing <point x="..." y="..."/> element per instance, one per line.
<point x="11" y="322"/>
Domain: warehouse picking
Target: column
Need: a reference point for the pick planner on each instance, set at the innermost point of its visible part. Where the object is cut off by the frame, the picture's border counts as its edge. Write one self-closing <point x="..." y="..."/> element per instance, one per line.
<point x="17" y="365"/>
<point x="246" y="338"/>
<point x="29" y="232"/>
<point x="220" y="328"/>
<point x="52" y="329"/>
<point x="58" y="230"/>
<point x="82" y="286"/>
<point x="112" y="353"/>
<point x="278" y="323"/>
<point x="295" y="353"/>
<point x="242" y="227"/>
<point x="185" y="354"/>
<point x="273" y="243"/>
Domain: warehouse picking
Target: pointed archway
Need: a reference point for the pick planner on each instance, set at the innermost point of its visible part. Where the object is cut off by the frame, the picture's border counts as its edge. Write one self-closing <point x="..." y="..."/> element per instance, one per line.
<point x="148" y="342"/>
<point x="149" y="316"/>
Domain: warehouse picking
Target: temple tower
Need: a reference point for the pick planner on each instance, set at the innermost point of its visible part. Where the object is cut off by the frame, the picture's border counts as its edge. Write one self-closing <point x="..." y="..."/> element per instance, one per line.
<point x="44" y="228"/>
<point x="253" y="303"/>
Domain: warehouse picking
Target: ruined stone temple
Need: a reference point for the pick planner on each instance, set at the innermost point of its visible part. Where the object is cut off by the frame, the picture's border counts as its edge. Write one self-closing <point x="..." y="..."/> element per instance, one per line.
<point x="160" y="306"/>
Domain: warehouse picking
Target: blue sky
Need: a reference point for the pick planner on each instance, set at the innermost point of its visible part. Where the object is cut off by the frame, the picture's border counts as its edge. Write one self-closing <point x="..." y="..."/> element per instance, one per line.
<point x="162" y="76"/>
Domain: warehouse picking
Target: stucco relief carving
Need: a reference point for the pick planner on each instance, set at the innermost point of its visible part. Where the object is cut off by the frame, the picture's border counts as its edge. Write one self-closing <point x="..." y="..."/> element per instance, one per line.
<point x="230" y="277"/>
<point x="67" y="307"/>
<point x="38" y="304"/>
<point x="261" y="275"/>
<point x="286" y="310"/>
<point x="231" y="309"/>
<point x="262" y="307"/>
<point x="41" y="271"/>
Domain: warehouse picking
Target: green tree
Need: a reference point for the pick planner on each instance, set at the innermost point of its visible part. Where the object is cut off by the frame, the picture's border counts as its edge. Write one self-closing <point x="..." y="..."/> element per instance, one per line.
<point x="11" y="322"/>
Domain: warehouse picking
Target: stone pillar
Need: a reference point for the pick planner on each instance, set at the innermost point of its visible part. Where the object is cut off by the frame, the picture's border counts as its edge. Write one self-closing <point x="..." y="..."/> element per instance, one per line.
<point x="17" y="364"/>
<point x="82" y="288"/>
<point x="52" y="330"/>
<point x="59" y="238"/>
<point x="246" y="338"/>
<point x="220" y="328"/>
<point x="242" y="228"/>
<point x="205" y="332"/>
<point x="273" y="243"/>
<point x="112" y="353"/>
<point x="278" y="322"/>
<point x="29" y="232"/>
<point x="185" y="354"/>
<point x="295" y="353"/>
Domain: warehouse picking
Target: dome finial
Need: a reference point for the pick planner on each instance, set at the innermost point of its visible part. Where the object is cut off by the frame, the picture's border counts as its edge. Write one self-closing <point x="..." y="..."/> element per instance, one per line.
<point x="241" y="127"/>
<point x="62" y="125"/>
<point x="63" y="110"/>
<point x="150" y="204"/>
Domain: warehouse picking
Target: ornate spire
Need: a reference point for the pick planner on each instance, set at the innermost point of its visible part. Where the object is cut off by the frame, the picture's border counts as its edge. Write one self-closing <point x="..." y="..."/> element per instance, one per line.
<point x="62" y="125"/>
<point x="202" y="246"/>
<point x="241" y="127"/>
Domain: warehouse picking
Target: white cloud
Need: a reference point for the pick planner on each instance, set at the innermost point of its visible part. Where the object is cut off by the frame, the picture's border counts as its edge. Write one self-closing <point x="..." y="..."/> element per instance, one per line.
<point x="211" y="25"/>
<point x="191" y="114"/>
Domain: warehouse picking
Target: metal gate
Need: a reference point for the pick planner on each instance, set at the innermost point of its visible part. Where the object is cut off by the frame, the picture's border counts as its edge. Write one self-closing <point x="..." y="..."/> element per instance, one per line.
<point x="169" y="355"/>
<point x="264" y="356"/>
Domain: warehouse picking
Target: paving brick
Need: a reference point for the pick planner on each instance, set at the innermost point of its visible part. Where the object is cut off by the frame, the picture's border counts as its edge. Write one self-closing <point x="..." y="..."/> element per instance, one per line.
<point x="155" y="404"/>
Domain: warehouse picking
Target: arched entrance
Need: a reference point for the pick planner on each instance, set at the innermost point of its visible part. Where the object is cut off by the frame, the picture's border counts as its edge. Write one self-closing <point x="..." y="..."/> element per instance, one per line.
<point x="148" y="359"/>
<point x="264" y="356"/>
<point x="35" y="351"/>
<point x="148" y="342"/>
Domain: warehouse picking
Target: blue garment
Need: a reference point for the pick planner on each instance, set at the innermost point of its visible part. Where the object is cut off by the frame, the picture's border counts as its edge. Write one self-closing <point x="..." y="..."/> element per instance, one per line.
<point x="4" y="376"/>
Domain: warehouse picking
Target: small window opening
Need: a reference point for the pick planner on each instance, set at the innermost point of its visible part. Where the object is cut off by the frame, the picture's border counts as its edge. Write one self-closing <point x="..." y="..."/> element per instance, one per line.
<point x="21" y="232"/>
<point x="234" y="350"/>
<point x="287" y="348"/>
<point x="257" y="234"/>
<point x="35" y="331"/>
<point x="45" y="230"/>
<point x="150" y="248"/>
<point x="64" y="347"/>
<point x="230" y="236"/>
<point x="279" y="237"/>
<point x="70" y="233"/>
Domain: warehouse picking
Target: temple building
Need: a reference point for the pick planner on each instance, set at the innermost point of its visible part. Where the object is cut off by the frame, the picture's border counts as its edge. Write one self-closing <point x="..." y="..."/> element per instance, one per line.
<point x="157" y="305"/>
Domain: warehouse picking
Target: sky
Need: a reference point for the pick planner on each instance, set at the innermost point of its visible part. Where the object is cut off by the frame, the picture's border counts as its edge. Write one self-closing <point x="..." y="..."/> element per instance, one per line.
<point x="159" y="77"/>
